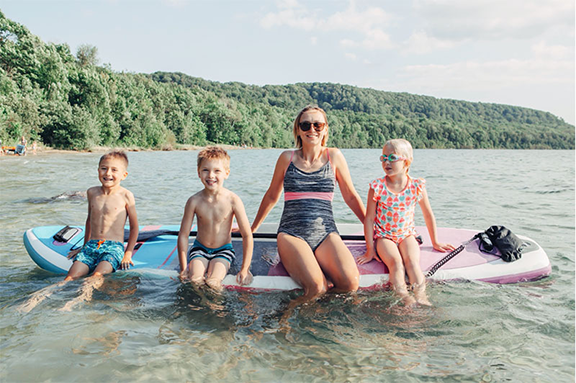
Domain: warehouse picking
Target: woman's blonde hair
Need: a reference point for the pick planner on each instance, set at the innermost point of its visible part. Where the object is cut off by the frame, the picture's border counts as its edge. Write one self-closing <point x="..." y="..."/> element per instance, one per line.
<point x="404" y="148"/>
<point x="297" y="138"/>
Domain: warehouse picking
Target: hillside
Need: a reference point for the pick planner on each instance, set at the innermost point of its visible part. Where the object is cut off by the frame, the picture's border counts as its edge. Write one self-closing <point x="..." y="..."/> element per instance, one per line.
<point x="68" y="101"/>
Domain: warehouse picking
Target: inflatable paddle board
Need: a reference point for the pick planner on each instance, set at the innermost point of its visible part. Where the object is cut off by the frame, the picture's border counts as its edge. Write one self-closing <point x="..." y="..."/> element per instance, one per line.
<point x="157" y="250"/>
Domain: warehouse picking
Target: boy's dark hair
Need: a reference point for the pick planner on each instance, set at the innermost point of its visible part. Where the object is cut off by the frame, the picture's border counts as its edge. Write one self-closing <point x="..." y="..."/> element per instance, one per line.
<point x="120" y="154"/>
<point x="212" y="153"/>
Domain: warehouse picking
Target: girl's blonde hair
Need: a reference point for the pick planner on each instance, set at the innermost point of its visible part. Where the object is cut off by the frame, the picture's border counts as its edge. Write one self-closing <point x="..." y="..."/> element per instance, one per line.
<point x="297" y="138"/>
<point x="404" y="148"/>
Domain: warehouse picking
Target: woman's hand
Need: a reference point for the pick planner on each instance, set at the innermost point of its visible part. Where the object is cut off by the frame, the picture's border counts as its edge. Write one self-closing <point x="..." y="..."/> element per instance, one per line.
<point x="443" y="247"/>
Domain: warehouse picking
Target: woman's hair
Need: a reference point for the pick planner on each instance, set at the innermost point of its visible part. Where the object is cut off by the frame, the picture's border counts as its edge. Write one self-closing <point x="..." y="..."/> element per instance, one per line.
<point x="214" y="153"/>
<point x="402" y="147"/>
<point x="297" y="138"/>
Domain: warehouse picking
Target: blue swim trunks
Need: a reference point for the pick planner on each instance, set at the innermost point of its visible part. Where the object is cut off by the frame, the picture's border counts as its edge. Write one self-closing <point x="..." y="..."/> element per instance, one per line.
<point x="199" y="250"/>
<point x="95" y="251"/>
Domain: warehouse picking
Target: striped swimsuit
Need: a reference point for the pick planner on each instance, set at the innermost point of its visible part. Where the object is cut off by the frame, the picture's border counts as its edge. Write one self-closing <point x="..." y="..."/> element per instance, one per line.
<point x="308" y="198"/>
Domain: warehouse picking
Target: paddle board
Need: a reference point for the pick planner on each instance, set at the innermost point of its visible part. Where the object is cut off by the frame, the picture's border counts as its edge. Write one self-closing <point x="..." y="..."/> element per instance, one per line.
<point x="156" y="251"/>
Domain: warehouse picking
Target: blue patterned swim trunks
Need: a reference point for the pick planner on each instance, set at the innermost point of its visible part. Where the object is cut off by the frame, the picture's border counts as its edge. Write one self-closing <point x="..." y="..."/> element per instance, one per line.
<point x="95" y="251"/>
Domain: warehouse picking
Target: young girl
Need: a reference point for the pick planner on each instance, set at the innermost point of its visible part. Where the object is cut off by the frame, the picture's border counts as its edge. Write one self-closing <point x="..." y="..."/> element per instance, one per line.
<point x="389" y="224"/>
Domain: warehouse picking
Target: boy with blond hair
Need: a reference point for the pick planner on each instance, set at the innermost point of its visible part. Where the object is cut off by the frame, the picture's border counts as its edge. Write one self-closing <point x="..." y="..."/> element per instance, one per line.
<point x="215" y="207"/>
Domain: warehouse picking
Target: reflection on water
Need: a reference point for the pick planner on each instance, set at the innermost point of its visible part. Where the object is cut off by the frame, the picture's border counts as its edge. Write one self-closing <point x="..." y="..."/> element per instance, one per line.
<point x="147" y="326"/>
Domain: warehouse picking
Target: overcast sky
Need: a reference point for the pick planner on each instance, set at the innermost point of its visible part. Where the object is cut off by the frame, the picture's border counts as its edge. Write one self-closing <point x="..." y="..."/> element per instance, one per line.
<point x="517" y="52"/>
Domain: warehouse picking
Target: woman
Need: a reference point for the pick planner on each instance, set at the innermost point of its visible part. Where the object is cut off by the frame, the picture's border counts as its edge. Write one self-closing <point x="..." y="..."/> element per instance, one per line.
<point x="309" y="245"/>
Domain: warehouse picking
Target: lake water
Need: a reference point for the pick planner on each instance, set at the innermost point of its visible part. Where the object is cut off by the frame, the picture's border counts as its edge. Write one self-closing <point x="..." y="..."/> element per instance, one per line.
<point x="141" y="327"/>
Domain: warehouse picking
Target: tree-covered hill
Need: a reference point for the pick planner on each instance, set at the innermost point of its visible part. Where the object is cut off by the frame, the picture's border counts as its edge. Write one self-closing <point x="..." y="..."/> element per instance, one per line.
<point x="69" y="101"/>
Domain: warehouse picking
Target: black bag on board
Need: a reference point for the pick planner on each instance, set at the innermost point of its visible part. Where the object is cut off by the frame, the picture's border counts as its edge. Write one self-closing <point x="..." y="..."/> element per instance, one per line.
<point x="509" y="245"/>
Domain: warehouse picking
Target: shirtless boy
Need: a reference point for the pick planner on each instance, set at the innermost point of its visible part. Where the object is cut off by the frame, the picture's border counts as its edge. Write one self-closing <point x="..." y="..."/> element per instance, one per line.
<point x="215" y="207"/>
<point x="109" y="205"/>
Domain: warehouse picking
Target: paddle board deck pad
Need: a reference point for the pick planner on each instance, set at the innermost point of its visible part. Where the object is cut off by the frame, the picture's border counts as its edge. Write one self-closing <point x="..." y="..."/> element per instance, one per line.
<point x="157" y="250"/>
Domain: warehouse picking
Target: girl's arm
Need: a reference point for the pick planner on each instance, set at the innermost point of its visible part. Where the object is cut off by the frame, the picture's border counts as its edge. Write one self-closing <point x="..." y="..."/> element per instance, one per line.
<point x="347" y="189"/>
<point x="184" y="234"/>
<point x="244" y="277"/>
<point x="369" y="230"/>
<point x="431" y="224"/>
<point x="133" y="220"/>
<point x="274" y="190"/>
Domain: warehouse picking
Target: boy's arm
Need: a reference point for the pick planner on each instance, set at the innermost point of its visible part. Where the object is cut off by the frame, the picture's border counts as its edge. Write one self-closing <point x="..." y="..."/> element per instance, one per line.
<point x="369" y="230"/>
<point x="244" y="277"/>
<point x="133" y="237"/>
<point x="87" y="230"/>
<point x="184" y="234"/>
<point x="431" y="224"/>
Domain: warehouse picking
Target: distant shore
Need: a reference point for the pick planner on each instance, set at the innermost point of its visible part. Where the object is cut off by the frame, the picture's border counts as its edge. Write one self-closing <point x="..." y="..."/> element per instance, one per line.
<point x="45" y="150"/>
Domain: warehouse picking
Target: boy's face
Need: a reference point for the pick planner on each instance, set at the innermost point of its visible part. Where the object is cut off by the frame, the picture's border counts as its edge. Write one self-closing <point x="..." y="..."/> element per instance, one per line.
<point x="111" y="171"/>
<point x="212" y="173"/>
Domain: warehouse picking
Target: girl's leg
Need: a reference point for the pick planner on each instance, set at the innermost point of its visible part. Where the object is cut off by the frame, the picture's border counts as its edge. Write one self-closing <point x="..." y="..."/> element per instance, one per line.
<point x="390" y="254"/>
<point x="196" y="270"/>
<point x="301" y="264"/>
<point x="217" y="270"/>
<point x="410" y="251"/>
<point x="338" y="263"/>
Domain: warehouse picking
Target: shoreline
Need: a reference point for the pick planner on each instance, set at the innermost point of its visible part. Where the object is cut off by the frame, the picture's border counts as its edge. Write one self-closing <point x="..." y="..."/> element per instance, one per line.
<point x="103" y="149"/>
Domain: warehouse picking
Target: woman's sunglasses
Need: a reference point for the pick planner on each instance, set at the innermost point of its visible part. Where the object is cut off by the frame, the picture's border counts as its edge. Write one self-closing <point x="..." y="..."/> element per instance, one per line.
<point x="391" y="157"/>
<point x="305" y="126"/>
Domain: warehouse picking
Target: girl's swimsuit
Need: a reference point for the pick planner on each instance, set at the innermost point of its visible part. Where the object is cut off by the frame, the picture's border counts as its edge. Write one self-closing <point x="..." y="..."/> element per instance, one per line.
<point x="395" y="212"/>
<point x="308" y="204"/>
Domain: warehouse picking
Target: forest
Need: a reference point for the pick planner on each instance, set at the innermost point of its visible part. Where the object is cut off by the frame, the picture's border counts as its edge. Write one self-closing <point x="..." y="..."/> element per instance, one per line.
<point x="69" y="101"/>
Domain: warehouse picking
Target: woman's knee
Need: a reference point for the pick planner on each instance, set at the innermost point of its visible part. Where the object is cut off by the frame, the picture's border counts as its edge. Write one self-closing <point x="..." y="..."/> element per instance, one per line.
<point x="315" y="288"/>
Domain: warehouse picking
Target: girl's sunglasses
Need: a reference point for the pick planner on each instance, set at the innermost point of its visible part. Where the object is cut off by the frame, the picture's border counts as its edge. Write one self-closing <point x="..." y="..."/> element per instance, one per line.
<point x="391" y="157"/>
<point x="305" y="126"/>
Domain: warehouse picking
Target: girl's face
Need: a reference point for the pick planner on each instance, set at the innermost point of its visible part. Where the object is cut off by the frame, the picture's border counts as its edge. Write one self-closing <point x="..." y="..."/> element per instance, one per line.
<point x="314" y="134"/>
<point x="392" y="168"/>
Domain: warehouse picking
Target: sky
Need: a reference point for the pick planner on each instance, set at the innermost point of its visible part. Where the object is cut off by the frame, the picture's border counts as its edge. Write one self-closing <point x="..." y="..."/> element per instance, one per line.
<point x="515" y="52"/>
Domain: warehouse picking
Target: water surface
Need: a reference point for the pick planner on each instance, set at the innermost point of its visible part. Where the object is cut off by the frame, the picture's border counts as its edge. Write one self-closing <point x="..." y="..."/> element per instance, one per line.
<point x="144" y="327"/>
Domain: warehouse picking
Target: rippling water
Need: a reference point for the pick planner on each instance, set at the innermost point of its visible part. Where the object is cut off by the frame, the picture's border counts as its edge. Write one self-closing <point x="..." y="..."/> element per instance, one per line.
<point x="142" y="327"/>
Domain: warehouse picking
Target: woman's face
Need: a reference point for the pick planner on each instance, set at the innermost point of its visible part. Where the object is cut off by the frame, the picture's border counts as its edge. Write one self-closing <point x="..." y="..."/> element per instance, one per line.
<point x="314" y="121"/>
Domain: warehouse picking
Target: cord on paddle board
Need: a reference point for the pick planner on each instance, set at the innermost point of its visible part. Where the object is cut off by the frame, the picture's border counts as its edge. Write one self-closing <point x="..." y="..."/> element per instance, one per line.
<point x="449" y="256"/>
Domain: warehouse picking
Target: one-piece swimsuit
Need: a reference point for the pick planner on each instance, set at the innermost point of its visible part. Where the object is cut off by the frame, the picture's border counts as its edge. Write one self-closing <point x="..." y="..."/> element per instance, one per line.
<point x="308" y="198"/>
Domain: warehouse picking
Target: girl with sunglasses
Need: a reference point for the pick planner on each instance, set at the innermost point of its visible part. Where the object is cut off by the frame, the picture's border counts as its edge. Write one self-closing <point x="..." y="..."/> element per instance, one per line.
<point x="309" y="245"/>
<point x="389" y="225"/>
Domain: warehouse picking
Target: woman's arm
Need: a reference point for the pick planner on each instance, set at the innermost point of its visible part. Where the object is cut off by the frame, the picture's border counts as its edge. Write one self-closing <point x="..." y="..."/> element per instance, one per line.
<point x="347" y="189"/>
<point x="274" y="190"/>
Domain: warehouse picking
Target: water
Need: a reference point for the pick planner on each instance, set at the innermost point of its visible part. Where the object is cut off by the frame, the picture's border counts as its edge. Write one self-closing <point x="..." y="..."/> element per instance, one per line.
<point x="141" y="327"/>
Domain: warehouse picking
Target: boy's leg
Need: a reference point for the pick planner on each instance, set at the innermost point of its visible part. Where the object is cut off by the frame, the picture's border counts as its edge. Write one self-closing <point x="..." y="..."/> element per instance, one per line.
<point x="390" y="254"/>
<point x="196" y="270"/>
<point x="410" y="251"/>
<point x="78" y="270"/>
<point x="90" y="284"/>
<point x="217" y="270"/>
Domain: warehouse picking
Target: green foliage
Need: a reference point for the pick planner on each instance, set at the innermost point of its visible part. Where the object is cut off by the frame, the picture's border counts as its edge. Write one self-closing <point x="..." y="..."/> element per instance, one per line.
<point x="69" y="102"/>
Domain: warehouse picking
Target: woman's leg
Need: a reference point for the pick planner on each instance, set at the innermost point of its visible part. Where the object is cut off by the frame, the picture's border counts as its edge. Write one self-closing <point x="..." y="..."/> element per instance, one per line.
<point x="338" y="263"/>
<point x="300" y="262"/>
